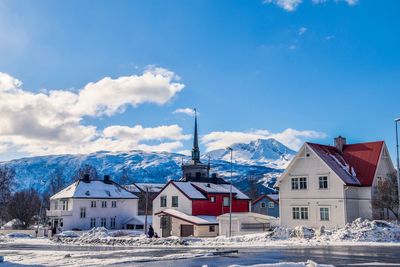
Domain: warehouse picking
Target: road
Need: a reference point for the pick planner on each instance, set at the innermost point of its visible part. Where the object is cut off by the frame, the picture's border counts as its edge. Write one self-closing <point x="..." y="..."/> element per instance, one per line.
<point x="56" y="255"/>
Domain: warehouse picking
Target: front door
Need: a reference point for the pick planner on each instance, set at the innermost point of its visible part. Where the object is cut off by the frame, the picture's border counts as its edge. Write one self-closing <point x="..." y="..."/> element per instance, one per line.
<point x="165" y="223"/>
<point x="187" y="230"/>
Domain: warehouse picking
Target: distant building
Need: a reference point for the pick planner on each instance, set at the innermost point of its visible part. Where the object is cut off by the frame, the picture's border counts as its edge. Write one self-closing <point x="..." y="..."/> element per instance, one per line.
<point x="91" y="203"/>
<point x="146" y="192"/>
<point x="332" y="185"/>
<point x="190" y="207"/>
<point x="267" y="204"/>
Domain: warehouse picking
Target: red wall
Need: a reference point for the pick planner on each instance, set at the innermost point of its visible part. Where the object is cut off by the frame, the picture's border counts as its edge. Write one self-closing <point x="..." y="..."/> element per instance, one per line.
<point x="206" y="207"/>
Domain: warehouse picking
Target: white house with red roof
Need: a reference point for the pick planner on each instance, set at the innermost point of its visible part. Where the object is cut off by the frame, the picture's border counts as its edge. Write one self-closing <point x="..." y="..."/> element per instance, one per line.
<point x="190" y="206"/>
<point x="332" y="185"/>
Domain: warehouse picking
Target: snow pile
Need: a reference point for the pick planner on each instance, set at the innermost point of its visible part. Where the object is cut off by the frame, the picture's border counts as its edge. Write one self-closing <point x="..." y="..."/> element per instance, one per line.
<point x="102" y="236"/>
<point x="303" y="232"/>
<point x="71" y="234"/>
<point x="309" y="263"/>
<point x="368" y="231"/>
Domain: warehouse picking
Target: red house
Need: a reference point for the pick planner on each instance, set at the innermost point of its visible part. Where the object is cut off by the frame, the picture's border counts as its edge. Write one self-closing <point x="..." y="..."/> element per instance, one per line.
<point x="190" y="206"/>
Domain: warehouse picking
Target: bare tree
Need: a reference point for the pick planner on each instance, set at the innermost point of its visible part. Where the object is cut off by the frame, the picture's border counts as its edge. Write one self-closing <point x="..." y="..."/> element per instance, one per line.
<point x="385" y="198"/>
<point x="252" y="187"/>
<point x="56" y="184"/>
<point x="24" y="206"/>
<point x="6" y="180"/>
<point x="86" y="169"/>
<point x="126" y="178"/>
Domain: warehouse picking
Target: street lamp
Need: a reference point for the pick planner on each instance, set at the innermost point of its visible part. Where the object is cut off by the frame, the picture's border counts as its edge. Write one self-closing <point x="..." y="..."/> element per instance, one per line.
<point x="230" y="194"/>
<point x="397" y="150"/>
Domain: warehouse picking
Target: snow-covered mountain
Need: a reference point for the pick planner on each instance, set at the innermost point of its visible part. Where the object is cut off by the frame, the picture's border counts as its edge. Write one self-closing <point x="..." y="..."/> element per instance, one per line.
<point x="261" y="159"/>
<point x="264" y="152"/>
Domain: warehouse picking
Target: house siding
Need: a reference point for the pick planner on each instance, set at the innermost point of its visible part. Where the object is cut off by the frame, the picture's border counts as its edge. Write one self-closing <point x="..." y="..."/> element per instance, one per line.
<point x="206" y="207"/>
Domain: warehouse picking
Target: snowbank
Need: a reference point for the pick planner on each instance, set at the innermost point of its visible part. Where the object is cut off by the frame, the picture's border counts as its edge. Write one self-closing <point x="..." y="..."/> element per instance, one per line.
<point x="309" y="263"/>
<point x="357" y="231"/>
<point x="18" y="235"/>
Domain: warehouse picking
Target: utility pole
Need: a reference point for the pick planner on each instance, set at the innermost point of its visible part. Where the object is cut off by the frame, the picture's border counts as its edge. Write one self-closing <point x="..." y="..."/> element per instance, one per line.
<point x="145" y="209"/>
<point x="230" y="194"/>
<point x="398" y="161"/>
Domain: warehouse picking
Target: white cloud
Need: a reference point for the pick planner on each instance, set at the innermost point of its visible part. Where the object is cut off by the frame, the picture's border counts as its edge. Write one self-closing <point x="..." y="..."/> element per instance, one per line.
<point x="52" y="122"/>
<point x="187" y="111"/>
<point x="289" y="137"/>
<point x="302" y="30"/>
<point x="291" y="5"/>
<point x="288" y="5"/>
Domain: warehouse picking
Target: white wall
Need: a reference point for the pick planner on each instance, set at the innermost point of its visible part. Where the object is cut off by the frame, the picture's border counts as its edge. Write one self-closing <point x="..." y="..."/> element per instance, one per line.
<point x="184" y="204"/>
<point x="311" y="167"/>
<point x="125" y="209"/>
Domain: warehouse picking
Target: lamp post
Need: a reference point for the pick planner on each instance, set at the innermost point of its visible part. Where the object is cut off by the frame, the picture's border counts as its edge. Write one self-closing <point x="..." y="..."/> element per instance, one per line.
<point x="230" y="194"/>
<point x="398" y="161"/>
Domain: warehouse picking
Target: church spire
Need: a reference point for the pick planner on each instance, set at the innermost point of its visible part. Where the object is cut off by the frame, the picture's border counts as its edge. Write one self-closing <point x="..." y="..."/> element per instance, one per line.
<point x="195" y="150"/>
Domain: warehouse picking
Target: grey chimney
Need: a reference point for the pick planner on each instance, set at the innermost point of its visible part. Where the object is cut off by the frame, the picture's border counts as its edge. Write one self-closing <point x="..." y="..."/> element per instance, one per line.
<point x="86" y="178"/>
<point x="107" y="178"/>
<point x="340" y="142"/>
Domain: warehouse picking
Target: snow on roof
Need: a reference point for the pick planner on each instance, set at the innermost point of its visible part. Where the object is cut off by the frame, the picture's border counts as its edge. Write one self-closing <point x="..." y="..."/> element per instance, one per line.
<point x="220" y="188"/>
<point x="139" y="219"/>
<point x="94" y="189"/>
<point x="188" y="189"/>
<point x="154" y="188"/>
<point x="355" y="165"/>
<point x="198" y="220"/>
<point x="246" y="215"/>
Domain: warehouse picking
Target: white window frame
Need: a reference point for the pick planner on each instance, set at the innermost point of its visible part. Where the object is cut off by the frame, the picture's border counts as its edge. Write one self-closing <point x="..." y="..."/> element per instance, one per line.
<point x="92" y="222"/>
<point x="83" y="213"/>
<point x="226" y="203"/>
<point x="163" y="201"/>
<point x="112" y="222"/>
<point x="329" y="214"/>
<point x="212" y="199"/>
<point x="104" y="204"/>
<point x="113" y="204"/>
<point x="263" y="204"/>
<point x="303" y="213"/>
<point x="103" y="222"/>
<point x="299" y="183"/>
<point x="271" y="205"/>
<point x="93" y="204"/>
<point x="319" y="182"/>
<point x="173" y="203"/>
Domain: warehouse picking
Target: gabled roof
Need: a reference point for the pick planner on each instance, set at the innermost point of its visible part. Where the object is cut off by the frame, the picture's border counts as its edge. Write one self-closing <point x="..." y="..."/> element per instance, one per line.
<point x="94" y="189"/>
<point x="272" y="197"/>
<point x="355" y="165"/>
<point x="198" y="190"/>
<point x="197" y="220"/>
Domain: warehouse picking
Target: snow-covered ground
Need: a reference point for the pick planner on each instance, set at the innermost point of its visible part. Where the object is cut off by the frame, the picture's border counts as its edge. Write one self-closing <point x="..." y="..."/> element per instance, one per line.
<point x="360" y="231"/>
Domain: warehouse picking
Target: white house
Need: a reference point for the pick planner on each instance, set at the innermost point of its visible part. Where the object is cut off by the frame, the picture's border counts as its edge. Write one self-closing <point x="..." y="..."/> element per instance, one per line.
<point x="92" y="203"/>
<point x="332" y="185"/>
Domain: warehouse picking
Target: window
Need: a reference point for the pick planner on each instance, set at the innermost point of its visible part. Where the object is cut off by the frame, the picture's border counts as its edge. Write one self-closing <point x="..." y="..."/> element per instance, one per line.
<point x="271" y="205"/>
<point x="103" y="222"/>
<point x="212" y="199"/>
<point x="174" y="201"/>
<point x="92" y="222"/>
<point x="113" y="204"/>
<point x="211" y="228"/>
<point x="112" y="222"/>
<point x="139" y="227"/>
<point x="83" y="212"/>
<point x="93" y="204"/>
<point x="65" y="205"/>
<point x="324" y="214"/>
<point x="163" y="201"/>
<point x="263" y="205"/>
<point x="61" y="223"/>
<point x="323" y="182"/>
<point x="300" y="213"/>
<point x="299" y="183"/>
<point x="56" y="205"/>
<point x="104" y="204"/>
<point x="226" y="201"/>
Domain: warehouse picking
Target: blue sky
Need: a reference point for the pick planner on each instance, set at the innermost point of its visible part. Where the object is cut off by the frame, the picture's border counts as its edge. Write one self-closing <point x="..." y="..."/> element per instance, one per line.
<point x="252" y="68"/>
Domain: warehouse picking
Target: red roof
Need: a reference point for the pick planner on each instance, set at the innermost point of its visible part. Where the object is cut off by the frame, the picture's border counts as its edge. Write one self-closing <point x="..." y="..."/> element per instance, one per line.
<point x="355" y="165"/>
<point x="267" y="196"/>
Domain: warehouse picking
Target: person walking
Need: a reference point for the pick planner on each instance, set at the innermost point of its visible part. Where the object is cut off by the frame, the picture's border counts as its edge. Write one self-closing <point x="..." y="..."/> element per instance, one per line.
<point x="151" y="231"/>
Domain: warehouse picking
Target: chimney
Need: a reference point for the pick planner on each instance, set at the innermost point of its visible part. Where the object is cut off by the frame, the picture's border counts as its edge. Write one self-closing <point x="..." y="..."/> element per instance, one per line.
<point x="86" y="178"/>
<point x="107" y="179"/>
<point x="340" y="142"/>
